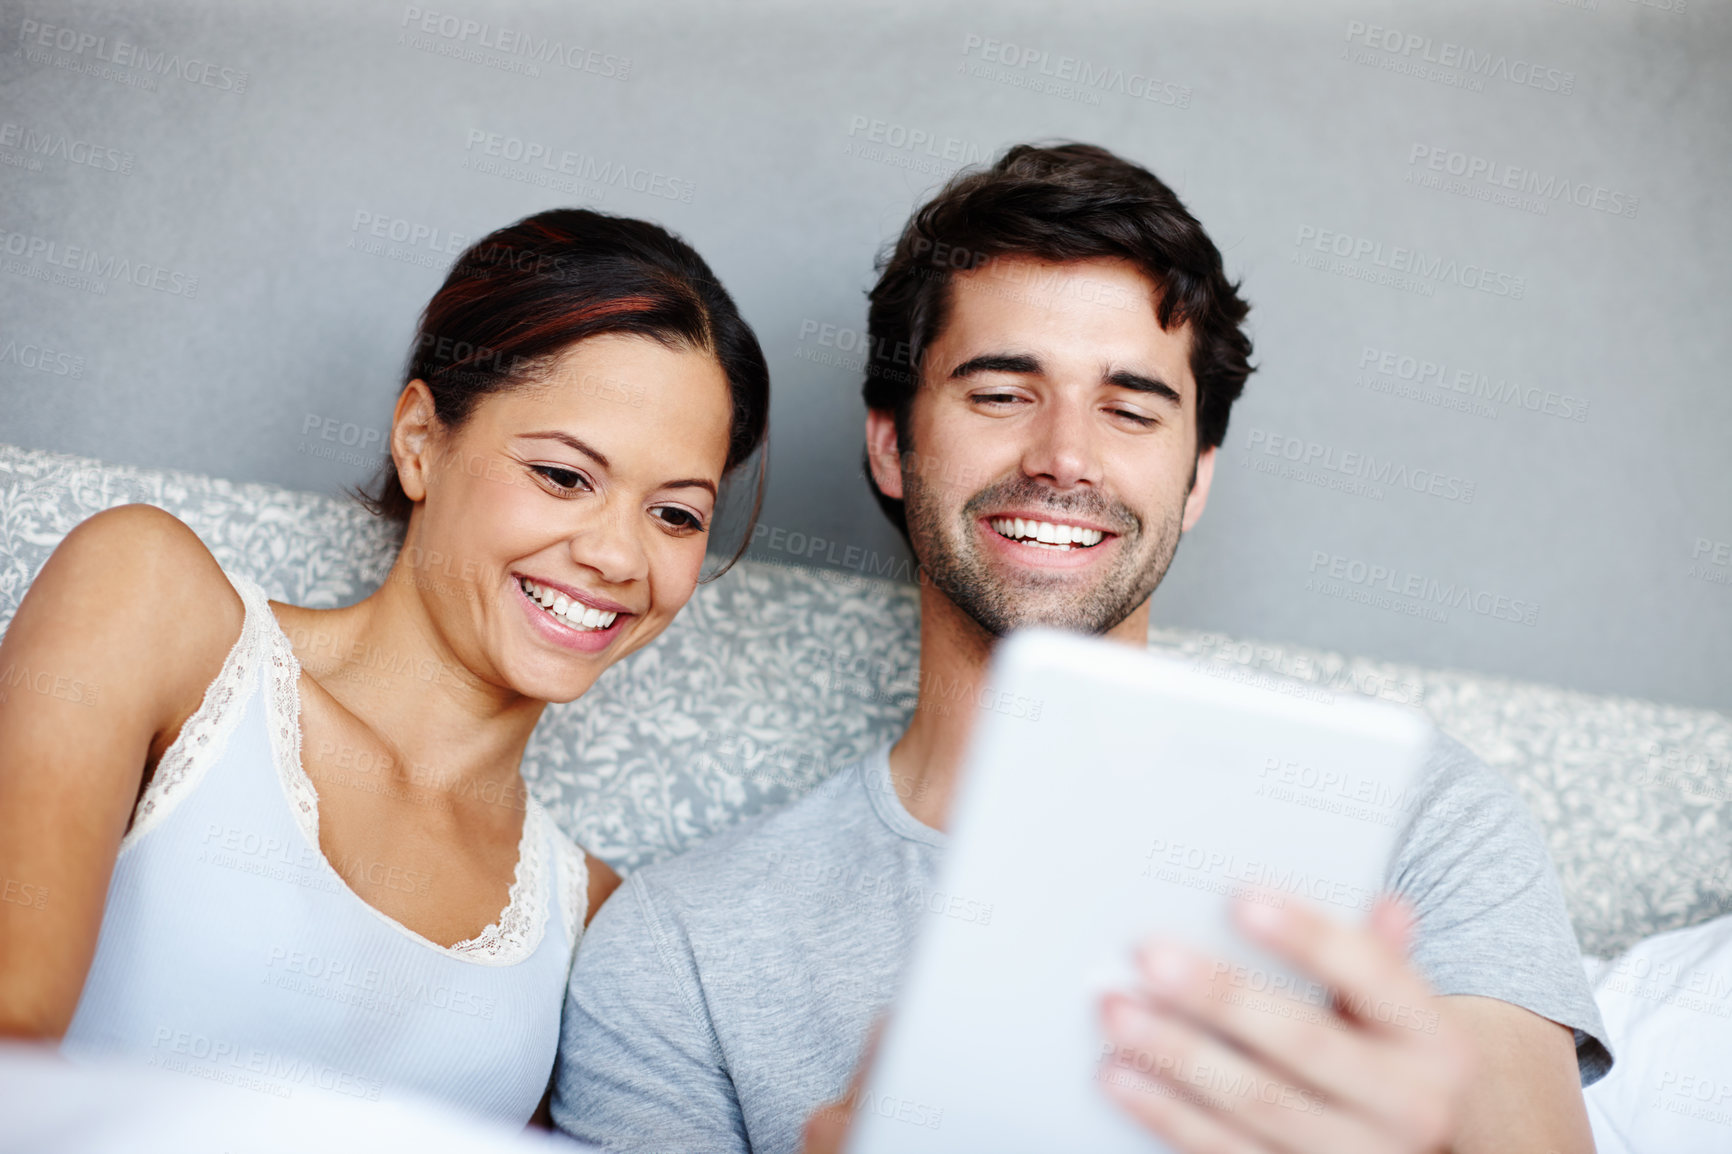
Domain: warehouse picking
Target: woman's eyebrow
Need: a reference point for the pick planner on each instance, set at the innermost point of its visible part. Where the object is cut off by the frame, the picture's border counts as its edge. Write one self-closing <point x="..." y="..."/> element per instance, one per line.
<point x="569" y="441"/>
<point x="692" y="483"/>
<point x="572" y="442"/>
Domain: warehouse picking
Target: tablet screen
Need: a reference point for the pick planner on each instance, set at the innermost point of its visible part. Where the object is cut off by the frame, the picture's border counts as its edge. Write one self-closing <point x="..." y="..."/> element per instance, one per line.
<point x="1109" y="794"/>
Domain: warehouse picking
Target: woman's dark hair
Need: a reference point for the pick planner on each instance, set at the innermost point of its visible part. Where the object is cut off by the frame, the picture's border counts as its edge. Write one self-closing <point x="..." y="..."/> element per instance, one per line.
<point x="521" y="296"/>
<point x="1062" y="203"/>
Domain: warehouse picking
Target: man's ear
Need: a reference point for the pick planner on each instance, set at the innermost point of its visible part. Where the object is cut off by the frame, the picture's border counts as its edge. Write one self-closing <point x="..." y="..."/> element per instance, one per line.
<point x="1199" y="488"/>
<point x="414" y="436"/>
<point x="884" y="452"/>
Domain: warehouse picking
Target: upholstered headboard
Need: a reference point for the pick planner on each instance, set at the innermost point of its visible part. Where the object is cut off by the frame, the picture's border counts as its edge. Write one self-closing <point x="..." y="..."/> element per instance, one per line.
<point x="774" y="676"/>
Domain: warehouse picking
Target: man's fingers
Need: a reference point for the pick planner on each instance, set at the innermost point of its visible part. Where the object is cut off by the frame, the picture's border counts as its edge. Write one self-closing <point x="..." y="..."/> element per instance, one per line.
<point x="1426" y="1060"/>
<point x="1303" y="1038"/>
<point x="867" y="1053"/>
<point x="1371" y="978"/>
<point x="1188" y="1071"/>
<point x="1160" y="1108"/>
<point x="827" y="1128"/>
<point x="1393" y="920"/>
<point x="1360" y="1033"/>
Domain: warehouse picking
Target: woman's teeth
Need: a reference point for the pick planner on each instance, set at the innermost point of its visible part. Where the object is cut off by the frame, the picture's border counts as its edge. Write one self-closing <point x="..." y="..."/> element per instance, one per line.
<point x="1046" y="533"/>
<point x="573" y="613"/>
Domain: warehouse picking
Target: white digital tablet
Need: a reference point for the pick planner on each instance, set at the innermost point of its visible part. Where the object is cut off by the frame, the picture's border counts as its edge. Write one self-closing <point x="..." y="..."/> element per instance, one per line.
<point x="1108" y="795"/>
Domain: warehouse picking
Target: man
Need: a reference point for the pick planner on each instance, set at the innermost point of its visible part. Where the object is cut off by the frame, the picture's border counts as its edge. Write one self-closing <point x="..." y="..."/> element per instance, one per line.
<point x="1059" y="352"/>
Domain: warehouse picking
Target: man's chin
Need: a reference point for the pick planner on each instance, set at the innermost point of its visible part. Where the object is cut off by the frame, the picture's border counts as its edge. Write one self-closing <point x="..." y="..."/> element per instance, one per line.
<point x="1069" y="622"/>
<point x="1000" y="596"/>
<point x="1007" y="610"/>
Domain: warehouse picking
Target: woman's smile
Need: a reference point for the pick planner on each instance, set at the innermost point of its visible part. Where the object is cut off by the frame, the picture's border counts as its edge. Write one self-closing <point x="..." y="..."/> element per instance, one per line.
<point x="568" y="619"/>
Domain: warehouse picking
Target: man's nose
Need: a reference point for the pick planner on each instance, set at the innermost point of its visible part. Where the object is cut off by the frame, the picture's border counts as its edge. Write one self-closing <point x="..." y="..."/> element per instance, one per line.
<point x="1061" y="450"/>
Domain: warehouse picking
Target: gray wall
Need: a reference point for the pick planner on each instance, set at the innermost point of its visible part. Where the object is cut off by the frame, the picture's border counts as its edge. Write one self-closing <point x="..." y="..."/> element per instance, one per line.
<point x="1578" y="424"/>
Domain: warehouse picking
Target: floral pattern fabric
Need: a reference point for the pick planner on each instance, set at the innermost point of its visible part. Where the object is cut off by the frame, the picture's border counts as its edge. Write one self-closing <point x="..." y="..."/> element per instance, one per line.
<point x="774" y="676"/>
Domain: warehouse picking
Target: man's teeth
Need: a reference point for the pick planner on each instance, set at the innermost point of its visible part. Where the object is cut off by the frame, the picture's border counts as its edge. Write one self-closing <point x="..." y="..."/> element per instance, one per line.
<point x="573" y="613"/>
<point x="1046" y="532"/>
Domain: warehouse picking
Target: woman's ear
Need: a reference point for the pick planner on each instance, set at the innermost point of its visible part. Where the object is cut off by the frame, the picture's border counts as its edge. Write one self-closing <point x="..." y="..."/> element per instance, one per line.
<point x="884" y="452"/>
<point x="414" y="437"/>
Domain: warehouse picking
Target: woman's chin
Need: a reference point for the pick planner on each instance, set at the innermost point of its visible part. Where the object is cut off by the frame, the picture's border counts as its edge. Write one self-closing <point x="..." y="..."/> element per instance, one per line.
<point x="553" y="689"/>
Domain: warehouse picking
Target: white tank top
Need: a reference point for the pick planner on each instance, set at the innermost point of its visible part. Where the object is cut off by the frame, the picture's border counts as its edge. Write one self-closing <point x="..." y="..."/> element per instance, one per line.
<point x="232" y="951"/>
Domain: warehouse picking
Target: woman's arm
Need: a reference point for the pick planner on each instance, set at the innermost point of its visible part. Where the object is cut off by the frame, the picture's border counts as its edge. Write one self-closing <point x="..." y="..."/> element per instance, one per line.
<point x="109" y="653"/>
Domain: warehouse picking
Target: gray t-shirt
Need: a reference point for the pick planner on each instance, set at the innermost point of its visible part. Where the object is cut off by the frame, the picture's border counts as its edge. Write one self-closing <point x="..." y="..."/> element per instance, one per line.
<point x="721" y="996"/>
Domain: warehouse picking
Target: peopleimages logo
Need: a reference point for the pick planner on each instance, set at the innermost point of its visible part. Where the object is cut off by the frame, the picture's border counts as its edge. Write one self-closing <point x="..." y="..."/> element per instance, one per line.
<point x="1711" y="561"/>
<point x="1481" y="178"/>
<point x="96" y="267"/>
<point x="404" y="231"/>
<point x="1355" y="580"/>
<point x="1069" y="76"/>
<point x="563" y="161"/>
<point x="841" y="347"/>
<point x="1435" y="374"/>
<point x="1374" y="472"/>
<point x="1363" y="258"/>
<point x="913" y="147"/>
<point x="463" y="33"/>
<point x="55" y="145"/>
<point x="1443" y="60"/>
<point x="120" y="59"/>
<point x="1198" y="867"/>
<point x="30" y="355"/>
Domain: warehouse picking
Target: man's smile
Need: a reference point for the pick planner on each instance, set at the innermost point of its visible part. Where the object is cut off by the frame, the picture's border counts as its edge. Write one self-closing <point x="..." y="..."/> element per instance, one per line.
<point x="1047" y="543"/>
<point x="1048" y="534"/>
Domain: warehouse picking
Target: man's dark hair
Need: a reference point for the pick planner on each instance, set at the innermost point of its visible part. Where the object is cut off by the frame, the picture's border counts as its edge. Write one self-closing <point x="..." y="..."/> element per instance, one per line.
<point x="1063" y="203"/>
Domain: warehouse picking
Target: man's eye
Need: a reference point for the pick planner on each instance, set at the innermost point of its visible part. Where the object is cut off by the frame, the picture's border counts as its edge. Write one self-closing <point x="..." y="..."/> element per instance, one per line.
<point x="1136" y="418"/>
<point x="996" y="398"/>
<point x="568" y="479"/>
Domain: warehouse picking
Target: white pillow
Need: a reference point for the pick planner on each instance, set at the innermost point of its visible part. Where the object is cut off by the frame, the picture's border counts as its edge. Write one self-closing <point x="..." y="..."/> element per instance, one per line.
<point x="1667" y="1005"/>
<point x="122" y="1106"/>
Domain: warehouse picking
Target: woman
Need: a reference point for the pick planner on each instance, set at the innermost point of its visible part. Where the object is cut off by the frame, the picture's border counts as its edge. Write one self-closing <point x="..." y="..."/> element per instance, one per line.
<point x="291" y="848"/>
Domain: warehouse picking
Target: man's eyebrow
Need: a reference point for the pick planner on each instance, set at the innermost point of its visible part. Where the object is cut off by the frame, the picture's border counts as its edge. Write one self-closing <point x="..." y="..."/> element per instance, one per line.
<point x="1136" y="382"/>
<point x="996" y="363"/>
<point x="572" y="442"/>
<point x="1027" y="364"/>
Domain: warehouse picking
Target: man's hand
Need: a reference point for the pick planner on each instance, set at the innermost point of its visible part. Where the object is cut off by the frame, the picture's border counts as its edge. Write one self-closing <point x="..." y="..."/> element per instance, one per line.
<point x="827" y="1128"/>
<point x="1210" y="1060"/>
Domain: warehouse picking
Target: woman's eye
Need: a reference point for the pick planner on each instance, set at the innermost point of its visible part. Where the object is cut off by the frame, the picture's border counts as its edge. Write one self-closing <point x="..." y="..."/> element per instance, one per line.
<point x="569" y="480"/>
<point x="677" y="518"/>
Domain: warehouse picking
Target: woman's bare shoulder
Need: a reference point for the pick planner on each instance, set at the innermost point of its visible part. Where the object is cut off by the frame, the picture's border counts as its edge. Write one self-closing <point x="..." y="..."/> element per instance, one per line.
<point x="138" y="584"/>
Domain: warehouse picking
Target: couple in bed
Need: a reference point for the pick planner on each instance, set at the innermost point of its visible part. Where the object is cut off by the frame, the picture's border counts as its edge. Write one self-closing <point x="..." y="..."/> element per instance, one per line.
<point x="269" y="870"/>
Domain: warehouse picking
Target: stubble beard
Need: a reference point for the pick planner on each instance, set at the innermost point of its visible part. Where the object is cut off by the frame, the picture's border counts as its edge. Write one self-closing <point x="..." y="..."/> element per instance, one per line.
<point x="951" y="558"/>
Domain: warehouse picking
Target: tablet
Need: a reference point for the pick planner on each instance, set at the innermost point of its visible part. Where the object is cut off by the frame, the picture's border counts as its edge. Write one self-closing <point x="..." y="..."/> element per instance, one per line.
<point x="1109" y="794"/>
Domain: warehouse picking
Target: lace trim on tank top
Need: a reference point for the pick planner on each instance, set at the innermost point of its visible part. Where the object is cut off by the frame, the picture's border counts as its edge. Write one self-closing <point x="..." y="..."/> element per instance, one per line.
<point x="519" y="928"/>
<point x="205" y="734"/>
